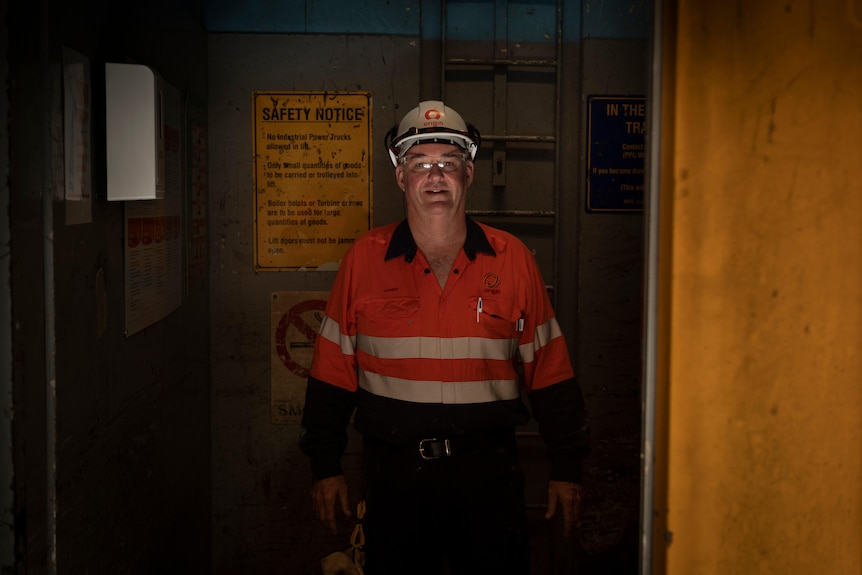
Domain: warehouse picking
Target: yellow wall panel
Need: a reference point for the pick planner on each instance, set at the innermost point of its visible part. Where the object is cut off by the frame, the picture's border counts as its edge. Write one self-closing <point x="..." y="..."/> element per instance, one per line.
<point x="764" y="454"/>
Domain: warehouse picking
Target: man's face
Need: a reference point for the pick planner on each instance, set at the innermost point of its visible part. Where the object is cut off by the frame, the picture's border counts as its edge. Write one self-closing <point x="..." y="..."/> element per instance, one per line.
<point x="435" y="178"/>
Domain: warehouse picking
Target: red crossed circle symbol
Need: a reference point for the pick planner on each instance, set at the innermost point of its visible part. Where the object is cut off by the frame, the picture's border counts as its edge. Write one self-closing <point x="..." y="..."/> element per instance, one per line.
<point x="294" y="318"/>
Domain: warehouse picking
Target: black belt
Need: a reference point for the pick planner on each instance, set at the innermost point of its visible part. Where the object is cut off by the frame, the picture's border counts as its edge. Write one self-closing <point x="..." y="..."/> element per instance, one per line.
<point x="444" y="447"/>
<point x="434" y="448"/>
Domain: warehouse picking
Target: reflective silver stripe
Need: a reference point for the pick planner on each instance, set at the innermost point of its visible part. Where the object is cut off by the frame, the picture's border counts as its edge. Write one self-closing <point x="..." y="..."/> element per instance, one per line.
<point x="447" y="392"/>
<point x="437" y="347"/>
<point x="329" y="329"/>
<point x="544" y="334"/>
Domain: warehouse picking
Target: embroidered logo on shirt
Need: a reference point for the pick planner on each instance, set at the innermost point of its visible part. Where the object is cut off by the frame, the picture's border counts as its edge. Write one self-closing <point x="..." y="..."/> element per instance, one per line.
<point x="491" y="280"/>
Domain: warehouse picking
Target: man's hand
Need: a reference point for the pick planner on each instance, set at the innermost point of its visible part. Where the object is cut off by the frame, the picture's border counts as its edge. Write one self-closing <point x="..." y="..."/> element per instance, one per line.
<point x="325" y="493"/>
<point x="568" y="496"/>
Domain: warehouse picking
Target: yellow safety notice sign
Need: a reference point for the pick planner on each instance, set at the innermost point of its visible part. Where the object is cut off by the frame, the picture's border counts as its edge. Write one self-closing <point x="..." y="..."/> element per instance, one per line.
<point x="312" y="177"/>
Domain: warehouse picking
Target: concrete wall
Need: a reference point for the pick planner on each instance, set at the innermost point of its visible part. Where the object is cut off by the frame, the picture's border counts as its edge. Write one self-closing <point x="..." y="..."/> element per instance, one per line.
<point x="7" y="495"/>
<point x="111" y="433"/>
<point x="761" y="250"/>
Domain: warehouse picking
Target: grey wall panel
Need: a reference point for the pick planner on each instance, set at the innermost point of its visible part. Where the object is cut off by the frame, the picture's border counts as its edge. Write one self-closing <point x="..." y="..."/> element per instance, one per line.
<point x="262" y="516"/>
<point x="609" y="314"/>
<point x="111" y="433"/>
<point x="611" y="270"/>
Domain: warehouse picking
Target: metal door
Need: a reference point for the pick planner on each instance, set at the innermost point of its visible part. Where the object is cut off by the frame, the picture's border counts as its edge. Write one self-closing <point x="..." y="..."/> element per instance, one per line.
<point x="507" y="83"/>
<point x="509" y="88"/>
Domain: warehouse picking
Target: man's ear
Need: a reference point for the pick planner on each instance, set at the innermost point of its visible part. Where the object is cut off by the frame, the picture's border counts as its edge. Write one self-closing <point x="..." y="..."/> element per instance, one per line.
<point x="399" y="177"/>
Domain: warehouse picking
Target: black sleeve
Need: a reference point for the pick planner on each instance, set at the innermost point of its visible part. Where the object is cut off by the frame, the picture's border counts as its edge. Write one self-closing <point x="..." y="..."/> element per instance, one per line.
<point x="563" y="424"/>
<point x="325" y="417"/>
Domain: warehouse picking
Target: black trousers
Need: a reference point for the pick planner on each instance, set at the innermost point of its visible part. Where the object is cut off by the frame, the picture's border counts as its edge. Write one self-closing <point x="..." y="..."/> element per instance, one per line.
<point x="462" y="515"/>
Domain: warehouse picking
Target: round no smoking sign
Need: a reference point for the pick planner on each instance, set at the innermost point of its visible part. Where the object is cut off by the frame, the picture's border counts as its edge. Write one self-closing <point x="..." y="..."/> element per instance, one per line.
<point x="295" y="335"/>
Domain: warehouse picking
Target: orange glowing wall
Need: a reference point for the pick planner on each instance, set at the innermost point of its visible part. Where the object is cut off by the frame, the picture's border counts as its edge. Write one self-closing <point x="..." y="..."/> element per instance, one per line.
<point x="759" y="450"/>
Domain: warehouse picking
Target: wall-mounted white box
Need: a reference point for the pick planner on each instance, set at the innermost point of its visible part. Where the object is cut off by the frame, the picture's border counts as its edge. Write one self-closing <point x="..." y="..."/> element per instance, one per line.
<point x="134" y="108"/>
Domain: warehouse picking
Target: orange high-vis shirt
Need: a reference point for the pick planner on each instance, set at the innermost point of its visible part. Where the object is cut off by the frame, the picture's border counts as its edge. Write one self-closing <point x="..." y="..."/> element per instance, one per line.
<point x="456" y="358"/>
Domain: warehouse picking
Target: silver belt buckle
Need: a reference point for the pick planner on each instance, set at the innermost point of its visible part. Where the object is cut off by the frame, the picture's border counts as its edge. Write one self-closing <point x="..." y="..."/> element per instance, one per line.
<point x="446" y="447"/>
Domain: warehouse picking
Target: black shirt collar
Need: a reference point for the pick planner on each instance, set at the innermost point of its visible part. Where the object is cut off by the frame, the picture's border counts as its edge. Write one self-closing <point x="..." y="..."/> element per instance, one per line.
<point x="403" y="244"/>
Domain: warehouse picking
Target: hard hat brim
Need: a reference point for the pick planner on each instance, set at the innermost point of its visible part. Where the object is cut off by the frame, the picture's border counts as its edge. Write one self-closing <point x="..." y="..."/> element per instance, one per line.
<point x="428" y="136"/>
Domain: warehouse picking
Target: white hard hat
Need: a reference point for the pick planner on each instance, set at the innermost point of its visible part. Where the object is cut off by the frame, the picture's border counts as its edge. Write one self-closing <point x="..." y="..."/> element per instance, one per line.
<point x="431" y="121"/>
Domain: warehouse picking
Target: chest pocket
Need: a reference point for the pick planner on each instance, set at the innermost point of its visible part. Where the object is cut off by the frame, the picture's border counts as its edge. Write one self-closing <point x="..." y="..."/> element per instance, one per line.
<point x="496" y="318"/>
<point x="389" y="316"/>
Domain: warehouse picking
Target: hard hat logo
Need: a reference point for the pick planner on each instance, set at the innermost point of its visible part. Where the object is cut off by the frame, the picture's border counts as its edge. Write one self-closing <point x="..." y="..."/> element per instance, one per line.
<point x="431" y="121"/>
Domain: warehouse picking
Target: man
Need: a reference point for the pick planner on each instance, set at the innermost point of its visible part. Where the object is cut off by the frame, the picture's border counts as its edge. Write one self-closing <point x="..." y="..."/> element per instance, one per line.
<point x="433" y="327"/>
